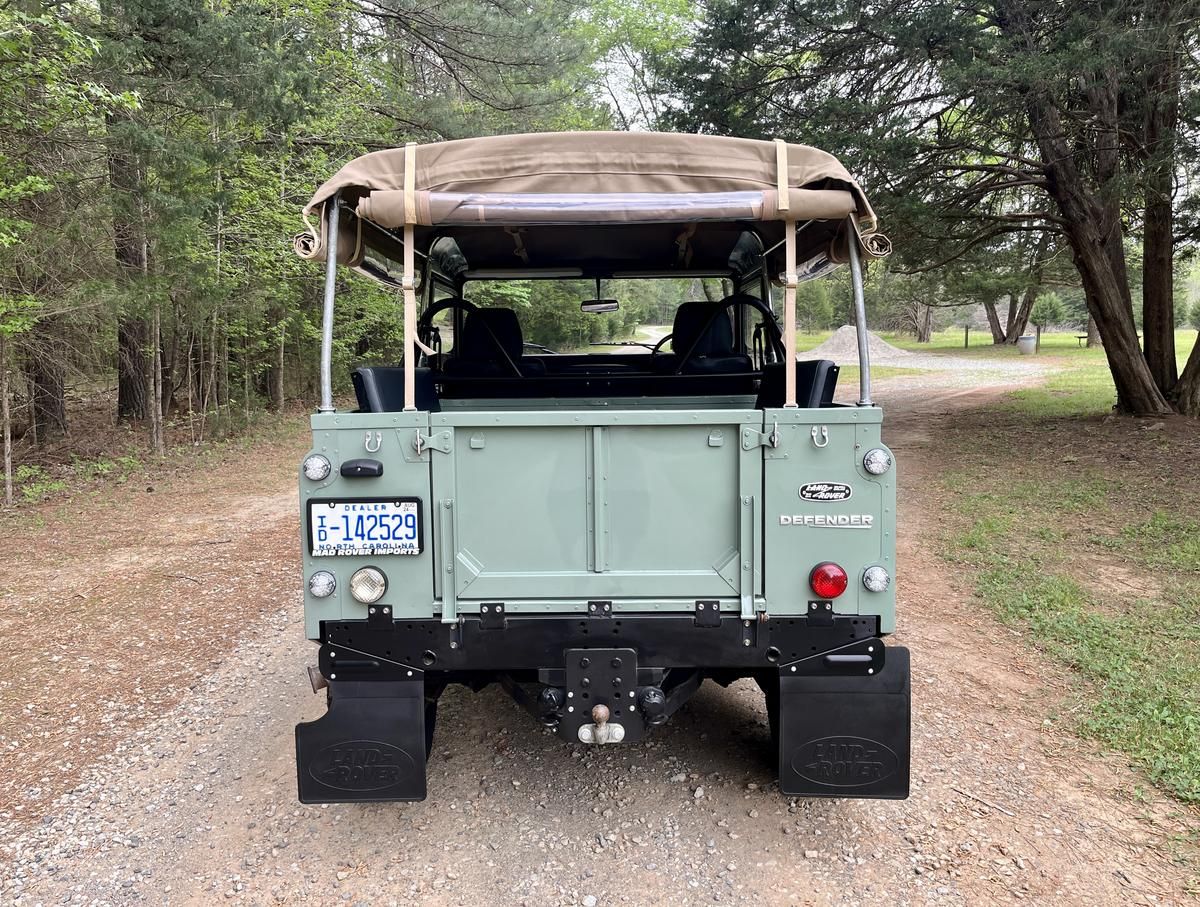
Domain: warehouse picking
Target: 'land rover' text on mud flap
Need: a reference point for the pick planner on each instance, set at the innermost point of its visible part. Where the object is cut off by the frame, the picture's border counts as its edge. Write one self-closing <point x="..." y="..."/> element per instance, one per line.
<point x="840" y="717"/>
<point x="843" y="727"/>
<point x="369" y="746"/>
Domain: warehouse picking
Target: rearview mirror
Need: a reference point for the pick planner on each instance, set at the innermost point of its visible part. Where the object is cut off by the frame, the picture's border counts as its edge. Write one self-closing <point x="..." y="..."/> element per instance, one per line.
<point x="593" y="306"/>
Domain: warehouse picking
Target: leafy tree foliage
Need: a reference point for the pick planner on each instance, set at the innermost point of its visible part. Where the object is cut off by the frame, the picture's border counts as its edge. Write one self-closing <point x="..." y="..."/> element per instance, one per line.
<point x="154" y="155"/>
<point x="984" y="121"/>
<point x="1048" y="309"/>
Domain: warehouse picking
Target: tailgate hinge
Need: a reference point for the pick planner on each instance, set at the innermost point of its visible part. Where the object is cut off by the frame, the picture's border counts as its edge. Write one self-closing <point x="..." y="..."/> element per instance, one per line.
<point x="708" y="612"/>
<point x="420" y="444"/>
<point x="820" y="614"/>
<point x="752" y="438"/>
<point x="491" y="616"/>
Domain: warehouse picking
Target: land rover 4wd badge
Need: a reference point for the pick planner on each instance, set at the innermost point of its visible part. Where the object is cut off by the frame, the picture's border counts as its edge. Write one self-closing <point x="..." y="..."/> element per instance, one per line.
<point x="825" y="491"/>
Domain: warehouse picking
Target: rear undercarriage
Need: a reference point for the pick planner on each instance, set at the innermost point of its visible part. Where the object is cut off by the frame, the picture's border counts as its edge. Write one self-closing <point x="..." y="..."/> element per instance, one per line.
<point x="837" y="698"/>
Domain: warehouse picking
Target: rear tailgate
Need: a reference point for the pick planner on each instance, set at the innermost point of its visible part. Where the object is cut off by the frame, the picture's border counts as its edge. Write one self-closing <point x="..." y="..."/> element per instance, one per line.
<point x="547" y="511"/>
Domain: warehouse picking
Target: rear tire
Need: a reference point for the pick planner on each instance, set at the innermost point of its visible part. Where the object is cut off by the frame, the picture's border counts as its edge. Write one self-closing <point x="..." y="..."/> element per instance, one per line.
<point x="770" y="688"/>
<point x="430" y="723"/>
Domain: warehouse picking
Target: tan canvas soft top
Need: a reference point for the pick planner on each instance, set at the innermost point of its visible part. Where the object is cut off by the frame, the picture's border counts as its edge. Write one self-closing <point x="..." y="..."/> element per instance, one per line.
<point x="596" y="178"/>
<point x="805" y="204"/>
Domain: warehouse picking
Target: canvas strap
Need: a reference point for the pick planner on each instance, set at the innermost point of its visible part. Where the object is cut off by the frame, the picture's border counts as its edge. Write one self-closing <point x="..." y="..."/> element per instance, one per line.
<point x="789" y="314"/>
<point x="781" y="175"/>
<point x="789" y="274"/>
<point x="409" y="280"/>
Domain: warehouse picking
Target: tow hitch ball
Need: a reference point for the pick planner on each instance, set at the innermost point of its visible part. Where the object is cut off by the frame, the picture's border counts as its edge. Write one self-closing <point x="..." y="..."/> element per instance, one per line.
<point x="601" y="731"/>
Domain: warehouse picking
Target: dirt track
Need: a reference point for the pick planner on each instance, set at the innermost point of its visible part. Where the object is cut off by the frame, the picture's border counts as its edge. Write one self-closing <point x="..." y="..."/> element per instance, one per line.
<point x="153" y="671"/>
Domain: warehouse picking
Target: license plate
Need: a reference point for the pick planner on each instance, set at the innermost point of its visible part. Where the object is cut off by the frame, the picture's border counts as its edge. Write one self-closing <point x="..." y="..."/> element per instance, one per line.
<point x="374" y="527"/>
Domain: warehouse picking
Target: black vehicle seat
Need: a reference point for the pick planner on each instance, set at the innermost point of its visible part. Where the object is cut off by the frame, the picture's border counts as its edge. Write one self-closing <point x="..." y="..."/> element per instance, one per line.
<point x="380" y="389"/>
<point x="491" y="338"/>
<point x="816" y="381"/>
<point x="703" y="332"/>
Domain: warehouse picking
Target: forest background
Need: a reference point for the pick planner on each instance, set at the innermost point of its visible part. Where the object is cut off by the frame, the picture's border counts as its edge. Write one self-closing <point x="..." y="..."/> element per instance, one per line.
<point x="154" y="156"/>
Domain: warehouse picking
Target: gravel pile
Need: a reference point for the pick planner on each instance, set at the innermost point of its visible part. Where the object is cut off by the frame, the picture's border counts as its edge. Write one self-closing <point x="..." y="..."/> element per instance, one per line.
<point x="954" y="371"/>
<point x="842" y="348"/>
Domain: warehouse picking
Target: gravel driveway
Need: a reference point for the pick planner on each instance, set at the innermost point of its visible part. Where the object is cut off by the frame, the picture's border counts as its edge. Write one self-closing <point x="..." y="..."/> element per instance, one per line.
<point x="191" y="799"/>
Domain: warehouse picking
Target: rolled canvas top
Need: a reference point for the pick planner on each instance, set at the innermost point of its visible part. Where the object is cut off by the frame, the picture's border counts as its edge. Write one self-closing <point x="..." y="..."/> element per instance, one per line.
<point x="598" y="178"/>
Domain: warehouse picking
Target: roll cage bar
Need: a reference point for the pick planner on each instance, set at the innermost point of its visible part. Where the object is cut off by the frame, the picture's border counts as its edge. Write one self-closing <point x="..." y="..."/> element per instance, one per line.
<point x="411" y="341"/>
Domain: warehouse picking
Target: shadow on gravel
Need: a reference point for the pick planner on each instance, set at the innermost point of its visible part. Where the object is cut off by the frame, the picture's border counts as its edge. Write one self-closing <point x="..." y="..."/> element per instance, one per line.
<point x="720" y="731"/>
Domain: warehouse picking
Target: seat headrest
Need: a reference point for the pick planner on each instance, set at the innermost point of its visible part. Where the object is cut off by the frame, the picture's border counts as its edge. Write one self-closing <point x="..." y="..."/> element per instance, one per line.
<point x="479" y="329"/>
<point x="702" y="320"/>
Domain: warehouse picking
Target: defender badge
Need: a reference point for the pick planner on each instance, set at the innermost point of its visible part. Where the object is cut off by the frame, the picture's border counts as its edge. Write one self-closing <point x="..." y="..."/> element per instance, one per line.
<point x="825" y="491"/>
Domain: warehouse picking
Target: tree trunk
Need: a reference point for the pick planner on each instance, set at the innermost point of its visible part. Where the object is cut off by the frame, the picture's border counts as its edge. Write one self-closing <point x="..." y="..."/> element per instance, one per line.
<point x="246" y="374"/>
<point x="1018" y="312"/>
<point x="46" y="371"/>
<point x="211" y="397"/>
<point x="132" y="374"/>
<point x="1093" y="334"/>
<point x="924" y="324"/>
<point x="6" y="420"/>
<point x="1186" y="394"/>
<point x="156" y="384"/>
<point x="277" y="377"/>
<point x="191" y="389"/>
<point x="1137" y="392"/>
<point x="1018" y="315"/>
<point x="994" y="318"/>
<point x="224" y="394"/>
<point x="1011" y="323"/>
<point x="46" y="393"/>
<point x="171" y="369"/>
<point x="130" y="249"/>
<point x="1158" y="290"/>
<point x="1037" y="346"/>
<point x="1020" y="323"/>
<point x="1086" y="219"/>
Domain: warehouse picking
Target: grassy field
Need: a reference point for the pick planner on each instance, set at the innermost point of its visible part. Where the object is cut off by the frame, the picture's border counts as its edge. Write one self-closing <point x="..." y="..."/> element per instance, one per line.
<point x="1083" y="530"/>
<point x="1083" y="387"/>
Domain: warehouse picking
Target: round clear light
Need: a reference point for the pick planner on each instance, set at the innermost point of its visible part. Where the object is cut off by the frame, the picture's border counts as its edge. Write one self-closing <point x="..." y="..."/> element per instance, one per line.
<point x="322" y="584"/>
<point x="876" y="579"/>
<point x="877" y="461"/>
<point x="368" y="585"/>
<point x="316" y="468"/>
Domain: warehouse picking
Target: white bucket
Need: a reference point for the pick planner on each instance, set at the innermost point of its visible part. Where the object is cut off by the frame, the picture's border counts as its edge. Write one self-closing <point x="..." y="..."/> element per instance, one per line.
<point x="1026" y="344"/>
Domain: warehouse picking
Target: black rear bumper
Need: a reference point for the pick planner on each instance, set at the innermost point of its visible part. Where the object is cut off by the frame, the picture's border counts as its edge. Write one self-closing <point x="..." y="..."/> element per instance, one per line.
<point x="838" y="698"/>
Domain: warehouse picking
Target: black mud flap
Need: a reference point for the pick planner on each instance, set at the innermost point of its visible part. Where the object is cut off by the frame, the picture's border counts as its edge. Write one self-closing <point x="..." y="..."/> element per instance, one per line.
<point x="369" y="747"/>
<point x="844" y="732"/>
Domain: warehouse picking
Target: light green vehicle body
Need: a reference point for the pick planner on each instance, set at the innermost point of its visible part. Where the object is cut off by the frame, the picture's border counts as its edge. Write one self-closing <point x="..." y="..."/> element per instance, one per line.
<point x="599" y="533"/>
<point x="549" y="505"/>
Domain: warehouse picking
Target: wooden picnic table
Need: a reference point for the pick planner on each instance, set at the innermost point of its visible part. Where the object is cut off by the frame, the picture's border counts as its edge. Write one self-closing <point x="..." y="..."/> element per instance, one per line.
<point x="1080" y="338"/>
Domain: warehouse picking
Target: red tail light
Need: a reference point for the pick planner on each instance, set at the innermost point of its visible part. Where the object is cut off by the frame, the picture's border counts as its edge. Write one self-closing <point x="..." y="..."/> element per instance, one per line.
<point x="828" y="580"/>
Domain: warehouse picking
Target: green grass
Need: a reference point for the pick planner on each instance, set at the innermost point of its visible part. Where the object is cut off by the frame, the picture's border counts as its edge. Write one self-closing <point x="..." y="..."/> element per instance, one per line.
<point x="1140" y="664"/>
<point x="806" y="342"/>
<point x="1166" y="541"/>
<point x="1057" y="345"/>
<point x="1066" y="553"/>
<point x="1084" y="389"/>
<point x="1082" y="385"/>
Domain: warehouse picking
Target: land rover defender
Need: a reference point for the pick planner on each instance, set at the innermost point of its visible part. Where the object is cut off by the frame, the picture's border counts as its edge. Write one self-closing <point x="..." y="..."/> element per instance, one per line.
<point x="599" y="530"/>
